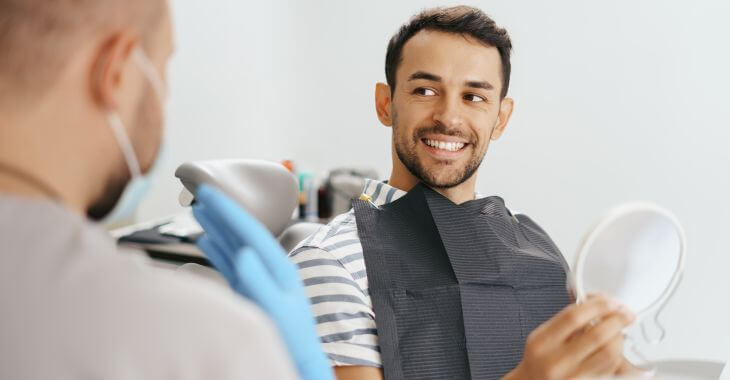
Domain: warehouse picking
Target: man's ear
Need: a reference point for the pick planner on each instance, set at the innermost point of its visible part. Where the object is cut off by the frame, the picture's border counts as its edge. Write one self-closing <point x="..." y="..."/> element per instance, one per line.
<point x="505" y="112"/>
<point x="383" y="104"/>
<point x="111" y="68"/>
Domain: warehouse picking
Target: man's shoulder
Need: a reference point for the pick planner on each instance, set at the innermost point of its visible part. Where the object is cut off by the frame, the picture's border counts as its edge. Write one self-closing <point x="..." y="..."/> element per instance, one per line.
<point x="332" y="269"/>
<point x="339" y="233"/>
<point x="331" y="262"/>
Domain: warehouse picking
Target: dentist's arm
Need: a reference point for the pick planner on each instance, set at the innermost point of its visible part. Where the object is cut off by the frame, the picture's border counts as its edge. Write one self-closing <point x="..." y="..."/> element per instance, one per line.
<point x="256" y="266"/>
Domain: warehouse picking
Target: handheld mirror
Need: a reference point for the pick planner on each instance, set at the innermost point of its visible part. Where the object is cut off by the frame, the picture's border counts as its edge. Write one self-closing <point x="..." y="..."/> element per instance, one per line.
<point x="635" y="254"/>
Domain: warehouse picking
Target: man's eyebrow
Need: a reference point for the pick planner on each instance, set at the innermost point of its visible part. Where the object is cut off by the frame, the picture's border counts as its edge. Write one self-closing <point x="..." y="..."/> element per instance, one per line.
<point x="424" y="75"/>
<point x="477" y="84"/>
<point x="435" y="78"/>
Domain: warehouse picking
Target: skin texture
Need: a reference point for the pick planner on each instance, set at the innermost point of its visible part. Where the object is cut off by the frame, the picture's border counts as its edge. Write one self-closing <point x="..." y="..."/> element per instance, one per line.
<point x="60" y="136"/>
<point x="436" y="97"/>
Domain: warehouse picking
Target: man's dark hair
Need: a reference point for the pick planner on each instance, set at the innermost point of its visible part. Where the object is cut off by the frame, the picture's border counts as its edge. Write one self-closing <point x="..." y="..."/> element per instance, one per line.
<point x="467" y="21"/>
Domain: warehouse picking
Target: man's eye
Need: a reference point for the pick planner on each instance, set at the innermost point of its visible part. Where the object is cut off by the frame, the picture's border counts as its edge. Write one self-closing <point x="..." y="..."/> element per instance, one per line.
<point x="474" y="98"/>
<point x="424" y="91"/>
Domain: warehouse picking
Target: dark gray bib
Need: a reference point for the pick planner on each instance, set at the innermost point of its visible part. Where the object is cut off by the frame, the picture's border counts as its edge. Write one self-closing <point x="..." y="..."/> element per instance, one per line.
<point x="456" y="289"/>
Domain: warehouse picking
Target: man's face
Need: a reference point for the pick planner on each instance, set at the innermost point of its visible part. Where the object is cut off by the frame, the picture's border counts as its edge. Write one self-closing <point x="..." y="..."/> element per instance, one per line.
<point x="445" y="106"/>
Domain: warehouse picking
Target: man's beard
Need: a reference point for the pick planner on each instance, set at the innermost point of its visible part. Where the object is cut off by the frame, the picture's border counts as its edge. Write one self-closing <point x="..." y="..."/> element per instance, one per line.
<point x="118" y="181"/>
<point x="405" y="148"/>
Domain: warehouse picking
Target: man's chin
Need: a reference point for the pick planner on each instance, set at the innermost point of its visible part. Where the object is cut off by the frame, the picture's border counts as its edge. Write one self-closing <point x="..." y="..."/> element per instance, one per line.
<point x="443" y="183"/>
<point x="437" y="173"/>
<point x="443" y="177"/>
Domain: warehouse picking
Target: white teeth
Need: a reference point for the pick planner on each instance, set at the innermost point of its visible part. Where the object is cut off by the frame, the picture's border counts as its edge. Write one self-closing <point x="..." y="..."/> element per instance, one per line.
<point x="450" y="146"/>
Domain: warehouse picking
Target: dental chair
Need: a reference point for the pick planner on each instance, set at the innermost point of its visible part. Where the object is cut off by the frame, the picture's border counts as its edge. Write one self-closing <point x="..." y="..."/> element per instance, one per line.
<point x="266" y="190"/>
<point x="270" y="193"/>
<point x="689" y="369"/>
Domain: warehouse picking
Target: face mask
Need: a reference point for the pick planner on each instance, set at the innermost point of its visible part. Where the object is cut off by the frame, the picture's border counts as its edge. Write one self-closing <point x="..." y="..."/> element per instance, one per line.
<point x="139" y="184"/>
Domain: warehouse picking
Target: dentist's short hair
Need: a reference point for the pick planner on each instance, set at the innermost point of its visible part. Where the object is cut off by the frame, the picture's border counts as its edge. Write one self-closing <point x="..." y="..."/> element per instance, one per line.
<point x="37" y="37"/>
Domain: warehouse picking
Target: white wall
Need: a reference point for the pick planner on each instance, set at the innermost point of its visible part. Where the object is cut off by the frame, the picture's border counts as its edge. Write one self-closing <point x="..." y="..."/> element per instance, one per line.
<point x="615" y="101"/>
<point x="228" y="85"/>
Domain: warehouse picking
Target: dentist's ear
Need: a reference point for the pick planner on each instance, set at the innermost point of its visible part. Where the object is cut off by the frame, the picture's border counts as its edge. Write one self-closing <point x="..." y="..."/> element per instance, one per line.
<point x="505" y="112"/>
<point x="383" y="104"/>
<point x="111" y="69"/>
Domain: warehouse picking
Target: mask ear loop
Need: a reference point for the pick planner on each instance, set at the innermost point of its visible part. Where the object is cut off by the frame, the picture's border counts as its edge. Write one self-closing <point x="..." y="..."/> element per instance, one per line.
<point x="125" y="144"/>
<point x="149" y="70"/>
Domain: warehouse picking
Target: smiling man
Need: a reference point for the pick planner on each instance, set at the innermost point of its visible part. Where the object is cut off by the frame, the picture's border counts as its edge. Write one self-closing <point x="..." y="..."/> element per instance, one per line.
<point x="424" y="278"/>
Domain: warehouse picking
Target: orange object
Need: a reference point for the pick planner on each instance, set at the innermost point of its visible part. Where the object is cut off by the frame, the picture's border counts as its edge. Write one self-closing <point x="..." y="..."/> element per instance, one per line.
<point x="289" y="165"/>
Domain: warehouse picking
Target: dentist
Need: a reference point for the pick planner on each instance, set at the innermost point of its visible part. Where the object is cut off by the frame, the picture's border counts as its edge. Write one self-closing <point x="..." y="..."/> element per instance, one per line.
<point x="82" y="87"/>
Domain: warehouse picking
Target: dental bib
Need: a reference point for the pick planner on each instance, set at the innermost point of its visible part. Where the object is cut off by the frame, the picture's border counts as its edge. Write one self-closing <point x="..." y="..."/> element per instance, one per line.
<point x="456" y="289"/>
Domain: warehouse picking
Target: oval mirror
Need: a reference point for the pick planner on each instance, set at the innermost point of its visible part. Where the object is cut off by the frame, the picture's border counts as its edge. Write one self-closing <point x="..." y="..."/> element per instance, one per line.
<point x="634" y="254"/>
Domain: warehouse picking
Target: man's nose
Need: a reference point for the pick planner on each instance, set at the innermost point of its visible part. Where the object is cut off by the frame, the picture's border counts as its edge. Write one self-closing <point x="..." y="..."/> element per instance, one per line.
<point x="448" y="112"/>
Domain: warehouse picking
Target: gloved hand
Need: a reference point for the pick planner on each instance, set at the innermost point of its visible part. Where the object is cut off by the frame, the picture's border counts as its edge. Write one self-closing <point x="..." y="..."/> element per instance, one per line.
<point x="256" y="266"/>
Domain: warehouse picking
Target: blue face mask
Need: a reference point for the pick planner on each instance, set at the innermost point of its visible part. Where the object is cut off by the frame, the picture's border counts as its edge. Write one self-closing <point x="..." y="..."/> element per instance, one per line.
<point x="140" y="183"/>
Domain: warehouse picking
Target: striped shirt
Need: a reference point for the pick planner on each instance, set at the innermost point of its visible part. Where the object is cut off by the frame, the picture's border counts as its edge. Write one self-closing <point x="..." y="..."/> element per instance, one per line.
<point x="332" y="267"/>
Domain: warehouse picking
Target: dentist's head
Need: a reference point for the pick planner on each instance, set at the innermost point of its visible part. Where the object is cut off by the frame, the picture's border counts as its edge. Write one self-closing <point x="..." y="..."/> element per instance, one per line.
<point x="82" y="86"/>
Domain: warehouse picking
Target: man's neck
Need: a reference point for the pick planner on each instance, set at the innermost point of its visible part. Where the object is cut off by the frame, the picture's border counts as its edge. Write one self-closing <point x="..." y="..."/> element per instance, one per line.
<point x="403" y="179"/>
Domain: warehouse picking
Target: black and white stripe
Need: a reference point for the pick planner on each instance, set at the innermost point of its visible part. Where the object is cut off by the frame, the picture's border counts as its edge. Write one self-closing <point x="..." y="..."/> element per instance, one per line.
<point x="332" y="267"/>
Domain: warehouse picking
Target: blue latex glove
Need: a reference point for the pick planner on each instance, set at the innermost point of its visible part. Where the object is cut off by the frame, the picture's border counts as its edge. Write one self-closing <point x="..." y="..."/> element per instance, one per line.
<point x="256" y="266"/>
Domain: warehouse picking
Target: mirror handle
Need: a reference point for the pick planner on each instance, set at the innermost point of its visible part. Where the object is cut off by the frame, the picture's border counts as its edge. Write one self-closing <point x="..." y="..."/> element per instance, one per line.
<point x="650" y="370"/>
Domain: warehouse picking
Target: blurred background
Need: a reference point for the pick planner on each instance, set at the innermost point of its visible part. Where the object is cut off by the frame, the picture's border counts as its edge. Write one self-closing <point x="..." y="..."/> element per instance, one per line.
<point x="615" y="101"/>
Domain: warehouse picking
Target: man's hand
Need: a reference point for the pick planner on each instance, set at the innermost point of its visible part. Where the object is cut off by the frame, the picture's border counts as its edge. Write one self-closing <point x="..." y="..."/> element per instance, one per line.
<point x="256" y="266"/>
<point x="582" y="341"/>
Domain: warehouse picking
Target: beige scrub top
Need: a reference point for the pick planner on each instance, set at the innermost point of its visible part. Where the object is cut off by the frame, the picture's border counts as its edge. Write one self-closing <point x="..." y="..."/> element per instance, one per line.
<point x="73" y="307"/>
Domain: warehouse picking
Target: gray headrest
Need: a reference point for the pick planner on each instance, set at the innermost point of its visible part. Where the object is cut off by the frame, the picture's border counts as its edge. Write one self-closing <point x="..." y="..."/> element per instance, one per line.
<point x="265" y="189"/>
<point x="296" y="233"/>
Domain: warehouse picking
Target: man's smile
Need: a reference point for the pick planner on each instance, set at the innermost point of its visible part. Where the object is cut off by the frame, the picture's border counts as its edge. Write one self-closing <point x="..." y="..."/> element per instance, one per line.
<point x="445" y="147"/>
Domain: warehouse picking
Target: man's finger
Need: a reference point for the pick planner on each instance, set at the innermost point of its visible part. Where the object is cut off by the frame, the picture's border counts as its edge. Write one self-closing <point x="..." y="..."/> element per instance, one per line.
<point x="598" y="335"/>
<point x="573" y="318"/>
<point x="604" y="361"/>
<point x="594" y="339"/>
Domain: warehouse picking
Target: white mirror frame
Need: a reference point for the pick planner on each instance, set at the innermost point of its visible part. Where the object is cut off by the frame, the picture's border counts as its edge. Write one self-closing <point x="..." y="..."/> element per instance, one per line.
<point x="608" y="219"/>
